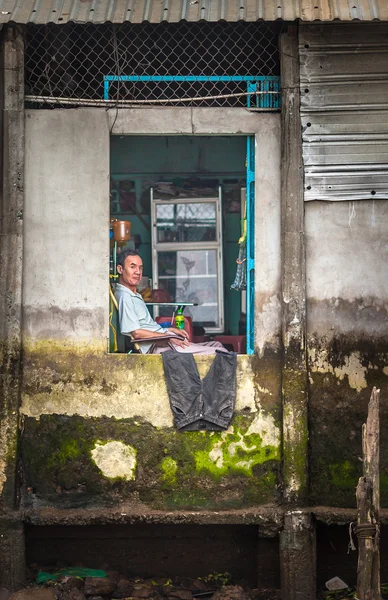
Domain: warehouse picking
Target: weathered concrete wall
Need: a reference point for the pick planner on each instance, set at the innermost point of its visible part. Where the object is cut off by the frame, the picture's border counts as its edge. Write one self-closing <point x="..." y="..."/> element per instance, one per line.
<point x="98" y="428"/>
<point x="66" y="253"/>
<point x="347" y="285"/>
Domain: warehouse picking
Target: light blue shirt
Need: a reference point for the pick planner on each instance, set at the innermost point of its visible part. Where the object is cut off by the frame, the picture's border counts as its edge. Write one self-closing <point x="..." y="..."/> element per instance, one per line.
<point x="133" y="314"/>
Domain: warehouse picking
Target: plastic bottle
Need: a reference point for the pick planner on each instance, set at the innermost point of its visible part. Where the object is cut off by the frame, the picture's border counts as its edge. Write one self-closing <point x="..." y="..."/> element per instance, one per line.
<point x="179" y="319"/>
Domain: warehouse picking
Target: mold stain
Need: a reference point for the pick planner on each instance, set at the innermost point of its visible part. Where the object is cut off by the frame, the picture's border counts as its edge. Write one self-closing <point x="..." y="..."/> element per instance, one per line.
<point x="239" y="452"/>
<point x="115" y="460"/>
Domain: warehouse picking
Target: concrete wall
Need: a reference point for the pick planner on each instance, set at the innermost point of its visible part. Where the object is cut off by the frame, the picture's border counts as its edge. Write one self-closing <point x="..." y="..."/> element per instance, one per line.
<point x="347" y="288"/>
<point x="347" y="268"/>
<point x="98" y="427"/>
<point x="66" y="252"/>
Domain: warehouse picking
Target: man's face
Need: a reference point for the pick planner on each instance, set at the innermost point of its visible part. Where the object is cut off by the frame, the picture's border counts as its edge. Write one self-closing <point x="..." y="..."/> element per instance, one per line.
<point x="132" y="272"/>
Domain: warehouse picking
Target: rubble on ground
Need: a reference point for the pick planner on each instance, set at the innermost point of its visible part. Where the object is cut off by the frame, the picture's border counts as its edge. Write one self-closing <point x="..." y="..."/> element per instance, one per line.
<point x="117" y="587"/>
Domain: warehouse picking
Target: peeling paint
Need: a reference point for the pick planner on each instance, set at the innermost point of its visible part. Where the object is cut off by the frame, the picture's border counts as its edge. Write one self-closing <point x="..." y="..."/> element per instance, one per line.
<point x="264" y="425"/>
<point x="352" y="368"/>
<point x="115" y="459"/>
<point x="263" y="390"/>
<point x="267" y="321"/>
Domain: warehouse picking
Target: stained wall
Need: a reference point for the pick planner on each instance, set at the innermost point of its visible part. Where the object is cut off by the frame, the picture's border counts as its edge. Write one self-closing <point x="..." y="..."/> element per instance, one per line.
<point x="97" y="428"/>
<point x="347" y="287"/>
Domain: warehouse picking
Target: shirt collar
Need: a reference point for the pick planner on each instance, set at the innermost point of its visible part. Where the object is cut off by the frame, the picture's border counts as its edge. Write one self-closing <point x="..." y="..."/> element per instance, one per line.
<point x="124" y="288"/>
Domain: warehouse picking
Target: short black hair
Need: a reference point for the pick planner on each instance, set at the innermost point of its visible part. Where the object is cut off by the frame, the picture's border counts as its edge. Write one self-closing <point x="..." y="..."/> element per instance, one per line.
<point x="124" y="254"/>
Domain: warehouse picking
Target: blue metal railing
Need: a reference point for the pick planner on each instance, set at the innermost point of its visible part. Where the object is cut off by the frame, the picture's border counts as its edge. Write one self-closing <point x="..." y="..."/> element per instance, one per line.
<point x="269" y="86"/>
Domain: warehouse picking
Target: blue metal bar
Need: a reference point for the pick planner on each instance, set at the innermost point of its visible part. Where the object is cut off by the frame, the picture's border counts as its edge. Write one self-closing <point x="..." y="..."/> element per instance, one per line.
<point x="106" y="88"/>
<point x="251" y="87"/>
<point x="263" y="83"/>
<point x="250" y="244"/>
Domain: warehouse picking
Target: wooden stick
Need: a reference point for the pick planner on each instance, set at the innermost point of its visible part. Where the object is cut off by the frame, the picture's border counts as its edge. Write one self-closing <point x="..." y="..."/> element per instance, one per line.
<point x="368" y="505"/>
<point x="371" y="435"/>
<point x="365" y="545"/>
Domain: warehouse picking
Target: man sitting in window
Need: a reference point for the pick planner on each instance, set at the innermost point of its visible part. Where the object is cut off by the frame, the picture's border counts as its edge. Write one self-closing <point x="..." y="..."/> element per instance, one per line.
<point x="134" y="317"/>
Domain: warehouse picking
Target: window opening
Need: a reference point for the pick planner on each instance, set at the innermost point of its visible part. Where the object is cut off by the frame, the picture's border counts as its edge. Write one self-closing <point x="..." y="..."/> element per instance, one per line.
<point x="184" y="197"/>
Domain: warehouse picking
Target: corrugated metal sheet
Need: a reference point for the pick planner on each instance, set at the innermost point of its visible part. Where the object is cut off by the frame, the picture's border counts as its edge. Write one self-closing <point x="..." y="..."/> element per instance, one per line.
<point x="136" y="11"/>
<point x="344" y="109"/>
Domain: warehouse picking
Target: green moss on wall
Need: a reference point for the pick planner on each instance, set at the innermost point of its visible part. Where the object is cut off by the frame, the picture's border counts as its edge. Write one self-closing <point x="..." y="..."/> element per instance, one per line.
<point x="70" y="449"/>
<point x="234" y="452"/>
<point x="169" y="469"/>
<point x="174" y="470"/>
<point x="343" y="475"/>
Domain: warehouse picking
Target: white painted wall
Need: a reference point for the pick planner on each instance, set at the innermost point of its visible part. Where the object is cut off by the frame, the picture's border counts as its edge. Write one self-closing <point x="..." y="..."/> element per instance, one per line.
<point x="267" y="235"/>
<point x="347" y="267"/>
<point x="66" y="251"/>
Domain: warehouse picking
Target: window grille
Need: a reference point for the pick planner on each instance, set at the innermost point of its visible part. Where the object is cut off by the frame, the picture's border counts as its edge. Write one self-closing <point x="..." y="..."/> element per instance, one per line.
<point x="183" y="64"/>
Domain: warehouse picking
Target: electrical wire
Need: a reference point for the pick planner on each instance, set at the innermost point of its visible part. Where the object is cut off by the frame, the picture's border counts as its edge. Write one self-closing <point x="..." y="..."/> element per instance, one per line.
<point x="126" y="103"/>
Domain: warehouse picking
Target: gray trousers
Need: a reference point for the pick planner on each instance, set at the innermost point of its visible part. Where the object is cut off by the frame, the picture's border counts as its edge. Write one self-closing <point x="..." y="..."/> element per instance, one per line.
<point x="204" y="348"/>
<point x="200" y="404"/>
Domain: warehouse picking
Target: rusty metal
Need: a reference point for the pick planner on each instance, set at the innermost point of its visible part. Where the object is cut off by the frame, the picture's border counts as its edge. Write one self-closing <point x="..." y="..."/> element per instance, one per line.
<point x="154" y="11"/>
<point x="344" y="108"/>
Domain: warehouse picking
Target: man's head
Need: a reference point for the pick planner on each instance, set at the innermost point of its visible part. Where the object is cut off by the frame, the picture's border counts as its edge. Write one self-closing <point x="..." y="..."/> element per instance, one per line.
<point x="129" y="268"/>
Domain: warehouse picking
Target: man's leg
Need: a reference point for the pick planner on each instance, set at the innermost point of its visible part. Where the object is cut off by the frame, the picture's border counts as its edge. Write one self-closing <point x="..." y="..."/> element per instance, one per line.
<point x="205" y="348"/>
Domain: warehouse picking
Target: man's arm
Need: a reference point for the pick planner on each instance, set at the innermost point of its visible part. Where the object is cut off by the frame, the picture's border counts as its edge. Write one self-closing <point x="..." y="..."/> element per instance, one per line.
<point x="145" y="333"/>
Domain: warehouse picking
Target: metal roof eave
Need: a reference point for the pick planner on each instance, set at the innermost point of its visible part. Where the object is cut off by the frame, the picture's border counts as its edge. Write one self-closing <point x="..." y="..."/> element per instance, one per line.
<point x="156" y="11"/>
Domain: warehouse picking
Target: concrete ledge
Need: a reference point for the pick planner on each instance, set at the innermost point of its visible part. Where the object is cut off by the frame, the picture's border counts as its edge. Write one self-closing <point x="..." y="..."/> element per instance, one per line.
<point x="341" y="516"/>
<point x="268" y="518"/>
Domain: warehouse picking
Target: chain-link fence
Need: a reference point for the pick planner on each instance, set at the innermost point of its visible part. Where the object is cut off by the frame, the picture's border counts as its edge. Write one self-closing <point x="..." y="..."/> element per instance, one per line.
<point x="200" y="64"/>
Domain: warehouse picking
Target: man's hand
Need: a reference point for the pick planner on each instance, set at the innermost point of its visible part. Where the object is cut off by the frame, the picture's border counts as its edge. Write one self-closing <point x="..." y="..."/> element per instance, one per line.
<point x="179" y="332"/>
<point x="179" y="342"/>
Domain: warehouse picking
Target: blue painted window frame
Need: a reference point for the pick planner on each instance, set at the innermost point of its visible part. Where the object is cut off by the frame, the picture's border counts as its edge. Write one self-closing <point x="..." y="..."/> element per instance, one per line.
<point x="250" y="244"/>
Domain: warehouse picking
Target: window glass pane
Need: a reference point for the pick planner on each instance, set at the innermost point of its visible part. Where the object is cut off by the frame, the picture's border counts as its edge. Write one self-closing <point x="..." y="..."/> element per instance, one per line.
<point x="191" y="276"/>
<point x="186" y="222"/>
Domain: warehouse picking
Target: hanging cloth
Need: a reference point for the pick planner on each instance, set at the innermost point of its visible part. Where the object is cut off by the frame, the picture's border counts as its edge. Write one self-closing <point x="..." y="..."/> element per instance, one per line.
<point x="240" y="282"/>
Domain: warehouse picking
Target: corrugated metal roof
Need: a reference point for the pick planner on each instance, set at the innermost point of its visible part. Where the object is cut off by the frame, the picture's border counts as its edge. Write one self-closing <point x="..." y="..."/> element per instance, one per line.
<point x="154" y="11"/>
<point x="344" y="111"/>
